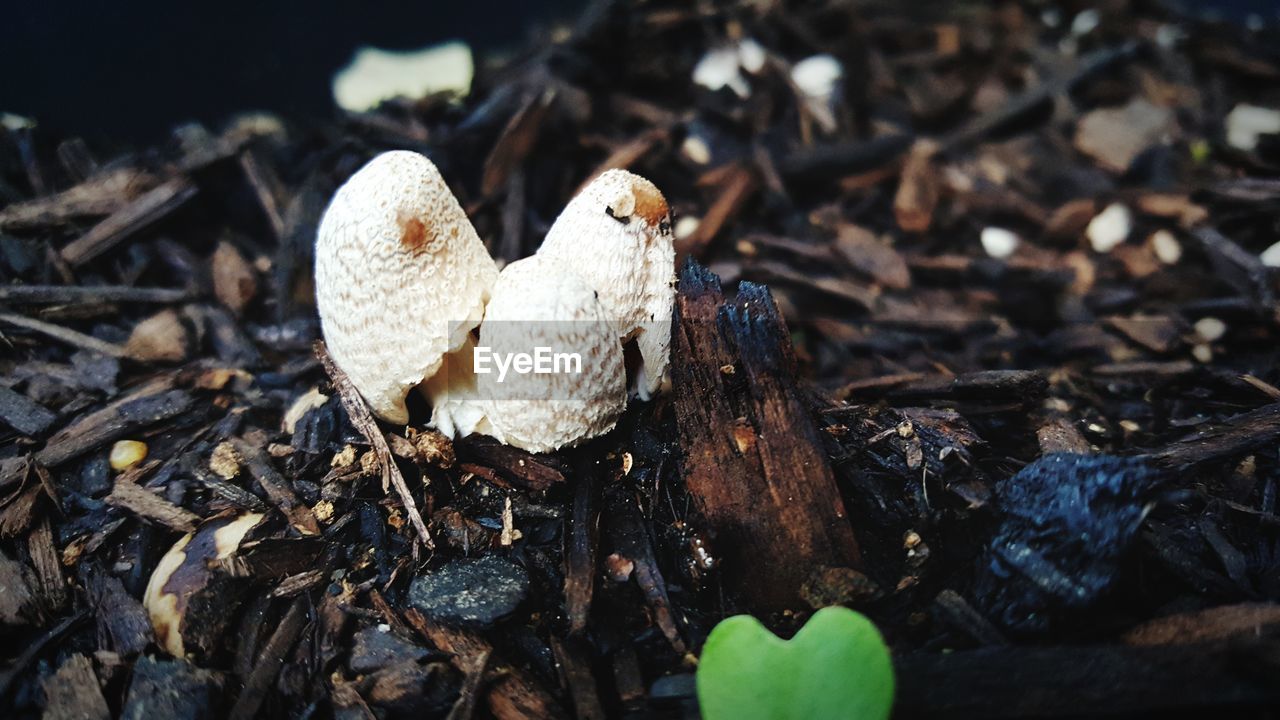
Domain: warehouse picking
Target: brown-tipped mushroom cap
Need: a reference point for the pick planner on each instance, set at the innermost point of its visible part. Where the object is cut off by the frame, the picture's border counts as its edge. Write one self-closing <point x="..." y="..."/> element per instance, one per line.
<point x="616" y="235"/>
<point x="535" y="305"/>
<point x="401" y="277"/>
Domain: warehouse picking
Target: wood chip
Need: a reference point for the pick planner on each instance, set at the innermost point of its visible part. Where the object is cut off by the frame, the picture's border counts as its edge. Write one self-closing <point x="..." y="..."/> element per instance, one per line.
<point x="141" y="213"/>
<point x="146" y="504"/>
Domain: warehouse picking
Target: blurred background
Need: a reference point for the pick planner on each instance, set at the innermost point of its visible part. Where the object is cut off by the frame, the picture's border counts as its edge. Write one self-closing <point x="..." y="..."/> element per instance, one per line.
<point x="132" y="70"/>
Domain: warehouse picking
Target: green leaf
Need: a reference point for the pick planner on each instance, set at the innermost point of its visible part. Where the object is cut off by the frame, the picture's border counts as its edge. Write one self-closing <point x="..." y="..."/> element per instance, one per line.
<point x="837" y="666"/>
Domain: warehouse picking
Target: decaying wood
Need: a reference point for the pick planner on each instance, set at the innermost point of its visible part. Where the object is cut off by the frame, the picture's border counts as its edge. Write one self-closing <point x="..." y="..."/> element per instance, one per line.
<point x="95" y="197"/>
<point x="1211" y="625"/>
<point x="48" y="568"/>
<point x="575" y="668"/>
<point x="580" y="552"/>
<point x="520" y="467"/>
<point x="754" y="462"/>
<point x="990" y="387"/>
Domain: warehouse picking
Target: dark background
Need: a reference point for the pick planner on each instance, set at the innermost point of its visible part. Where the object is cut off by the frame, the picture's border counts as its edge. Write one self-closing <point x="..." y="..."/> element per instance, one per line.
<point x="132" y="69"/>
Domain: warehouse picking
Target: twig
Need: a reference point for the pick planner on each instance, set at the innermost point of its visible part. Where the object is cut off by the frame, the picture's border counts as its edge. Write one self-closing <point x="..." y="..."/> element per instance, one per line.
<point x="363" y="421"/>
<point x="88" y="295"/>
<point x="270" y="661"/>
<point x="66" y="335"/>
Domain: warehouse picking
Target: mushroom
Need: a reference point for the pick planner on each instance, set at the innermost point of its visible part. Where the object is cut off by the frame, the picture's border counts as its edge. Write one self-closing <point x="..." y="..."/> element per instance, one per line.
<point x="616" y="235"/>
<point x="401" y="278"/>
<point x="572" y="384"/>
<point x="187" y="601"/>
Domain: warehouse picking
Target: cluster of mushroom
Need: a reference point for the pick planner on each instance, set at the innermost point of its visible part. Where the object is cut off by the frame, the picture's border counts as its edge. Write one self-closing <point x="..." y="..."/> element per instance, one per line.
<point x="407" y="294"/>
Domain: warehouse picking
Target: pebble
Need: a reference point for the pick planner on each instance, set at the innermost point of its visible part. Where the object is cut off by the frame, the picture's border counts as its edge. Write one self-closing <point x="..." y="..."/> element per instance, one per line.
<point x="470" y="591"/>
<point x="1166" y="247"/>
<point x="816" y="76"/>
<point x="1246" y="122"/>
<point x="998" y="242"/>
<point x="1109" y="228"/>
<point x="720" y="68"/>
<point x="127" y="453"/>
<point x="1210" y="329"/>
<point x="1271" y="256"/>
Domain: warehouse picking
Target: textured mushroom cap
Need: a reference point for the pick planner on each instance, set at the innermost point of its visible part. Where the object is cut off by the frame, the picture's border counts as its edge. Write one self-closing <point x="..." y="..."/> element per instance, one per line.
<point x="616" y="235"/>
<point x="536" y="305"/>
<point x="401" y="277"/>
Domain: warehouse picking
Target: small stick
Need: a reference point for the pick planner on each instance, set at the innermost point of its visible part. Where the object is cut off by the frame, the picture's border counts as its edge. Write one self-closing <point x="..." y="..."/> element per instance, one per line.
<point x="66" y="335"/>
<point x="363" y="420"/>
<point x="89" y="295"/>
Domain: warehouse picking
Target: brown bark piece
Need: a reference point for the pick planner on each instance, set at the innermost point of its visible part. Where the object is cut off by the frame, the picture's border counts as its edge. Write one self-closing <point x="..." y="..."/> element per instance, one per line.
<point x="234" y="281"/>
<point x="917" y="196"/>
<point x="146" y="504"/>
<point x="152" y="403"/>
<point x="1060" y="436"/>
<point x="278" y="490"/>
<point x="1113" y="137"/>
<point x="142" y="212"/>
<point x="73" y="693"/>
<point x="1220" y="623"/>
<point x="581" y="551"/>
<point x="17" y="602"/>
<point x="864" y="252"/>
<point x="512" y="695"/>
<point x="753" y="458"/>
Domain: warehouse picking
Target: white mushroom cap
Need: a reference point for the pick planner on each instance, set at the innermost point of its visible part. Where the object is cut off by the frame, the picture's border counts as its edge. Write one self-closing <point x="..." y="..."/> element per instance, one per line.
<point x="537" y="305"/>
<point x="401" y="278"/>
<point x="616" y="235"/>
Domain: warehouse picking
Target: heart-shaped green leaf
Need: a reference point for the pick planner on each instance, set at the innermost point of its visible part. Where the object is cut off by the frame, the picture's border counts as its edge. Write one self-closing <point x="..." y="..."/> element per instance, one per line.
<point x="837" y="666"/>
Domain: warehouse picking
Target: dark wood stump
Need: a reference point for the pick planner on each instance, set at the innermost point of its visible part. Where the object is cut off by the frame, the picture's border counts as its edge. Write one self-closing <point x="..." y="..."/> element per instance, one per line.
<point x="753" y="458"/>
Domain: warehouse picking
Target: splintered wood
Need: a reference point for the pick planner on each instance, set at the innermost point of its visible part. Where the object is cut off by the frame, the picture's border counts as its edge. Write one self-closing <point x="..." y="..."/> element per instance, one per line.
<point x="754" y="461"/>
